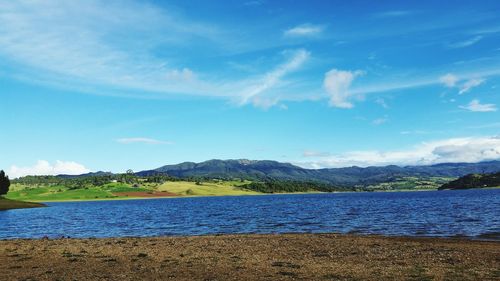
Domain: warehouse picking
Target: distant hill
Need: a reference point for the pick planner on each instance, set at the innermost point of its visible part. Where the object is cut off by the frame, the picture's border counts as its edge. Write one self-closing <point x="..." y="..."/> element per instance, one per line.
<point x="242" y="168"/>
<point x="349" y="176"/>
<point x="94" y="174"/>
<point x="474" y="181"/>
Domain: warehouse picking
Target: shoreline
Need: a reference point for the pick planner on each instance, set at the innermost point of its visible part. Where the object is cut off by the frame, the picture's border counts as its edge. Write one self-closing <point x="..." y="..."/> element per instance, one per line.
<point x="228" y="195"/>
<point x="457" y="238"/>
<point x="325" y="256"/>
<point x="231" y="195"/>
<point x="261" y="194"/>
<point x="10" y="204"/>
<point x="172" y="197"/>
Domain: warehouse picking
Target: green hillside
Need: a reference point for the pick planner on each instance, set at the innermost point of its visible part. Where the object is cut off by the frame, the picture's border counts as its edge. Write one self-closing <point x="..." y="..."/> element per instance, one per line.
<point x="474" y="181"/>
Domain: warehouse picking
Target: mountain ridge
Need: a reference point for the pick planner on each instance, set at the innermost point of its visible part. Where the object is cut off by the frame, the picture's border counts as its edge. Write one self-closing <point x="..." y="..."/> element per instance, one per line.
<point x="354" y="175"/>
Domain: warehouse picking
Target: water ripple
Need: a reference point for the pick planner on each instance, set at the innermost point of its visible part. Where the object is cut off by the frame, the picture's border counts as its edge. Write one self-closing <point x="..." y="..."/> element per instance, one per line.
<point x="470" y="213"/>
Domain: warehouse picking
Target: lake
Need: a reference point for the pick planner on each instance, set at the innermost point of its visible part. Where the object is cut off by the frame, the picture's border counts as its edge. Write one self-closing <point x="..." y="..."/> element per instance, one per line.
<point x="464" y="213"/>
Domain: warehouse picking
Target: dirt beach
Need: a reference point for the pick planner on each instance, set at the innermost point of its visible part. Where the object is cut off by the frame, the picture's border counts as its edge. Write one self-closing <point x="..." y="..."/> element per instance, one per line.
<point x="250" y="257"/>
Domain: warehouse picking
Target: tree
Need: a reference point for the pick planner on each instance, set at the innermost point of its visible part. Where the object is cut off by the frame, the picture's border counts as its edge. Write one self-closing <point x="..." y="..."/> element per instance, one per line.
<point x="4" y="183"/>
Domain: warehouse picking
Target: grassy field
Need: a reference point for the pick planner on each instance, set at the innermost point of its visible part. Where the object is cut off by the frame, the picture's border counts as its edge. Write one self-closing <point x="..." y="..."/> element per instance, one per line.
<point x="117" y="190"/>
<point x="108" y="191"/>
<point x="61" y="193"/>
<point x="206" y="188"/>
<point x="6" y="204"/>
<point x="410" y="183"/>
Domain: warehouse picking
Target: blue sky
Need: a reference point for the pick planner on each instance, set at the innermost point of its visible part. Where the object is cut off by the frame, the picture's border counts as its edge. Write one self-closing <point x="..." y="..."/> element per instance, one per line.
<point x="115" y="85"/>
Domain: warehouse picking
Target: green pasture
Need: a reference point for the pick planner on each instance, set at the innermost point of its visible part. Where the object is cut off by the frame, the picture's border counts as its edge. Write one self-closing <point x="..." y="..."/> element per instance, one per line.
<point x="205" y="188"/>
<point x="183" y="188"/>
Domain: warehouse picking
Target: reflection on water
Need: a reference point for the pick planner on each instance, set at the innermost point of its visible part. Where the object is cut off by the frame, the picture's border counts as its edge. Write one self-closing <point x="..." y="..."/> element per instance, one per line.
<point x="470" y="213"/>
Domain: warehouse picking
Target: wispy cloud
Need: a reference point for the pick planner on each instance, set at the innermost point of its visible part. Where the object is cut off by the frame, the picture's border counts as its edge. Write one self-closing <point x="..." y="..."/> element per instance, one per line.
<point x="415" y="132"/>
<point x="312" y="153"/>
<point x="43" y="167"/>
<point x="142" y="140"/>
<point x="382" y="102"/>
<point x="380" y="121"/>
<point x="452" y="81"/>
<point x="185" y="75"/>
<point x="304" y="30"/>
<point x="398" y="83"/>
<point x="337" y="84"/>
<point x="449" y="80"/>
<point x="393" y="14"/>
<point x="79" y="44"/>
<point x="469" y="84"/>
<point x="254" y="3"/>
<point x="469" y="149"/>
<point x="487" y="30"/>
<point x="342" y="93"/>
<point x="476" y="106"/>
<point x="466" y="43"/>
<point x="253" y="92"/>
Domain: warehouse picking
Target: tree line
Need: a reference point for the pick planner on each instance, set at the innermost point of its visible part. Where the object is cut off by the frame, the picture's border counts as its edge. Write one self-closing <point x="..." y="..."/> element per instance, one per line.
<point x="280" y="186"/>
<point x="77" y="182"/>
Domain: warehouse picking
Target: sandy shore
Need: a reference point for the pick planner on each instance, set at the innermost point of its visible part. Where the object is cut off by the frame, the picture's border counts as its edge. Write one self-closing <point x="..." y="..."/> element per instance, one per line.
<point x="250" y="257"/>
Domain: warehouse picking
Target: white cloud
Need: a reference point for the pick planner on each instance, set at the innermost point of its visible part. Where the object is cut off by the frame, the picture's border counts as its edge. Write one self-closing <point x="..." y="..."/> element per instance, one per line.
<point x="142" y="140"/>
<point x="469" y="84"/>
<point x="183" y="75"/>
<point x="449" y="80"/>
<point x="252" y="94"/>
<point x="43" y="167"/>
<point x="380" y="121"/>
<point x="393" y="83"/>
<point x="337" y="84"/>
<point x="452" y="81"/>
<point x="304" y="30"/>
<point x="414" y="132"/>
<point x="392" y="14"/>
<point x="476" y="106"/>
<point x="466" y="43"/>
<point x="470" y="149"/>
<point x="253" y="3"/>
<point x="79" y="45"/>
<point x="312" y="153"/>
<point x="382" y="102"/>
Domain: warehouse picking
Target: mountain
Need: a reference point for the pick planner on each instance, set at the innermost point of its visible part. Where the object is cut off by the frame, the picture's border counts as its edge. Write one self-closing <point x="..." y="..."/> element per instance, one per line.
<point x="474" y="181"/>
<point x="92" y="174"/>
<point x="348" y="176"/>
<point x="241" y="168"/>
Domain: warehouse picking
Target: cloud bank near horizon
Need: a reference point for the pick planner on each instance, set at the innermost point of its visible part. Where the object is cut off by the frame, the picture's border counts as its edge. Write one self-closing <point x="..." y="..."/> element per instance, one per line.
<point x="454" y="150"/>
<point x="45" y="168"/>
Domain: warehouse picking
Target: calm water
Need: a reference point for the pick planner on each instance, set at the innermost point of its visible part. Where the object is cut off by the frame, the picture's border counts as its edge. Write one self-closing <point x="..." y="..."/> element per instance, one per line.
<point x="472" y="213"/>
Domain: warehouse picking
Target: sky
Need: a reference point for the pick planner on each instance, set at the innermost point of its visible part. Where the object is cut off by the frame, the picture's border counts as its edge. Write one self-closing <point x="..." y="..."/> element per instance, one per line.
<point x="115" y="85"/>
